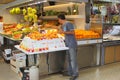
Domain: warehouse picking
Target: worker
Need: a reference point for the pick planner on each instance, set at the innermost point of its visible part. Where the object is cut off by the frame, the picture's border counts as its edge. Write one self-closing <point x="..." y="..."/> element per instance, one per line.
<point x="67" y="28"/>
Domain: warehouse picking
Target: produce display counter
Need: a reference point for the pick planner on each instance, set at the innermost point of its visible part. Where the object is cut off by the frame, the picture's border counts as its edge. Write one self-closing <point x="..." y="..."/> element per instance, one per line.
<point x="88" y="55"/>
<point x="50" y="61"/>
<point x="53" y="61"/>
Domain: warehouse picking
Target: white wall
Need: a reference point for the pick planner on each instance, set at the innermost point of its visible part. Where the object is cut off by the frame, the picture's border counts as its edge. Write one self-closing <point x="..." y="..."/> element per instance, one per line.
<point x="7" y="17"/>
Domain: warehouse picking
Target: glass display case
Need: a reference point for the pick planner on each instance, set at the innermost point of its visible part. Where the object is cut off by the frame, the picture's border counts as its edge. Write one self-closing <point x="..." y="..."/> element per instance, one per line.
<point x="111" y="32"/>
<point x="111" y="43"/>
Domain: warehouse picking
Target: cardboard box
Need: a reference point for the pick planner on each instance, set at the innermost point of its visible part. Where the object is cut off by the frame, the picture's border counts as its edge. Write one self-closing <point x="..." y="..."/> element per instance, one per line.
<point x="14" y="68"/>
<point x="16" y="64"/>
<point x="18" y="55"/>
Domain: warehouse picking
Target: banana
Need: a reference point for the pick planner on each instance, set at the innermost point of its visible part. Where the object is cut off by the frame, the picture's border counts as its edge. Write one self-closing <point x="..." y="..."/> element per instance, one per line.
<point x="35" y="18"/>
<point x="26" y="17"/>
<point x="30" y="19"/>
<point x="29" y="9"/>
<point x="34" y="11"/>
<point x="17" y="10"/>
<point x="24" y="11"/>
<point x="13" y="11"/>
<point x="30" y="14"/>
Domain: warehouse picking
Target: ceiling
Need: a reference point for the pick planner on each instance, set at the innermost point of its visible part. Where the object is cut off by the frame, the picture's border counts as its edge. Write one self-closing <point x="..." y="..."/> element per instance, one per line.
<point x="5" y="4"/>
<point x="5" y="1"/>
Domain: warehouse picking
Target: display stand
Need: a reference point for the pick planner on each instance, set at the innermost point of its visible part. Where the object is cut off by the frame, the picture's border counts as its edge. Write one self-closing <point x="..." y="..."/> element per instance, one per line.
<point x="40" y="52"/>
<point x="35" y="54"/>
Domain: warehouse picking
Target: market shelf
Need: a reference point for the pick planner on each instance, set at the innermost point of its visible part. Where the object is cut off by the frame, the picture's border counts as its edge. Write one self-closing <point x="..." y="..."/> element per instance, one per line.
<point x="40" y="52"/>
<point x="67" y="17"/>
<point x="8" y="37"/>
<point x="111" y="23"/>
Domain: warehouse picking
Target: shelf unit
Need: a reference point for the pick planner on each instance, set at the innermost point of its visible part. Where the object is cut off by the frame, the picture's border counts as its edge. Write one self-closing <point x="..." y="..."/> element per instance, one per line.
<point x="67" y="17"/>
<point x="78" y="20"/>
<point x="111" y="23"/>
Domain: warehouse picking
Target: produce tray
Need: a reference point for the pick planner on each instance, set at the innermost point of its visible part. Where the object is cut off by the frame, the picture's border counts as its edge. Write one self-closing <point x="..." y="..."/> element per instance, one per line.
<point x="40" y="52"/>
<point x="9" y="37"/>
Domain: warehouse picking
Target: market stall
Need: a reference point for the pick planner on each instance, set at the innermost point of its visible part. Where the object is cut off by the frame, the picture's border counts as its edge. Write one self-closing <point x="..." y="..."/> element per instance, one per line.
<point x="88" y="40"/>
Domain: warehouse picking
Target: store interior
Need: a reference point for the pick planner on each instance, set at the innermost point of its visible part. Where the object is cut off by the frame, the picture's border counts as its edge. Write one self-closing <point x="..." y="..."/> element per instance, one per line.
<point x="30" y="49"/>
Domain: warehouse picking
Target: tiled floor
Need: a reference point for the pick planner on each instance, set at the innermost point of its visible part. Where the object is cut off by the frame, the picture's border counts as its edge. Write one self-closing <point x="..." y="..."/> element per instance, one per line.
<point x="6" y="73"/>
<point x="106" y="72"/>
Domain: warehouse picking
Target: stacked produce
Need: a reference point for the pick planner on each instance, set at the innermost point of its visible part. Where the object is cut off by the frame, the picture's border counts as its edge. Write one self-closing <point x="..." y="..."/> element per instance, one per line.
<point x="86" y="34"/>
<point x="46" y="34"/>
<point x="16" y="31"/>
<point x="8" y="29"/>
<point x="36" y="41"/>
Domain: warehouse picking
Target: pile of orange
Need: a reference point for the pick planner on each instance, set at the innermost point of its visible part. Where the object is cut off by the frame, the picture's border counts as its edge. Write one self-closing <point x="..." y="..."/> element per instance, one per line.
<point x="35" y="35"/>
<point x="17" y="36"/>
<point x="86" y="34"/>
<point x="49" y="34"/>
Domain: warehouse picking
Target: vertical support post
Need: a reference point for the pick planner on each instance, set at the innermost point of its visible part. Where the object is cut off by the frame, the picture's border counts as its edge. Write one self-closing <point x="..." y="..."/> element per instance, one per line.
<point x="98" y="55"/>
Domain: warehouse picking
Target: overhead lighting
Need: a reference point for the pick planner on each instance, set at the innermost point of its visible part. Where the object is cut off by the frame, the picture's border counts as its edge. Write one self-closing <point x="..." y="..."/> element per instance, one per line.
<point x="38" y="2"/>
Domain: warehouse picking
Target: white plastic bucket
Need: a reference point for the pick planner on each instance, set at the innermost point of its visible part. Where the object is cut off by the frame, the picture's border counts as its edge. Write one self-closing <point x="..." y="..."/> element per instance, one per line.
<point x="34" y="73"/>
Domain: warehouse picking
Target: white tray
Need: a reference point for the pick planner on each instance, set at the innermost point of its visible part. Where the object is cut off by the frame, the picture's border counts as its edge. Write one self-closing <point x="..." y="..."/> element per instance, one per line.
<point x="29" y="53"/>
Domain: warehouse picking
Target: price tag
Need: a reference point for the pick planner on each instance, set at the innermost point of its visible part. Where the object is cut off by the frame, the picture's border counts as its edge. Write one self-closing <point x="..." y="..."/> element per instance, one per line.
<point x="87" y="42"/>
<point x="97" y="41"/>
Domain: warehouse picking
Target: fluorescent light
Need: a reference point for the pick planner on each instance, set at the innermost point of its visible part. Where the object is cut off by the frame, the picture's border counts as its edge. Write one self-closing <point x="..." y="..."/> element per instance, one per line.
<point x="38" y="2"/>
